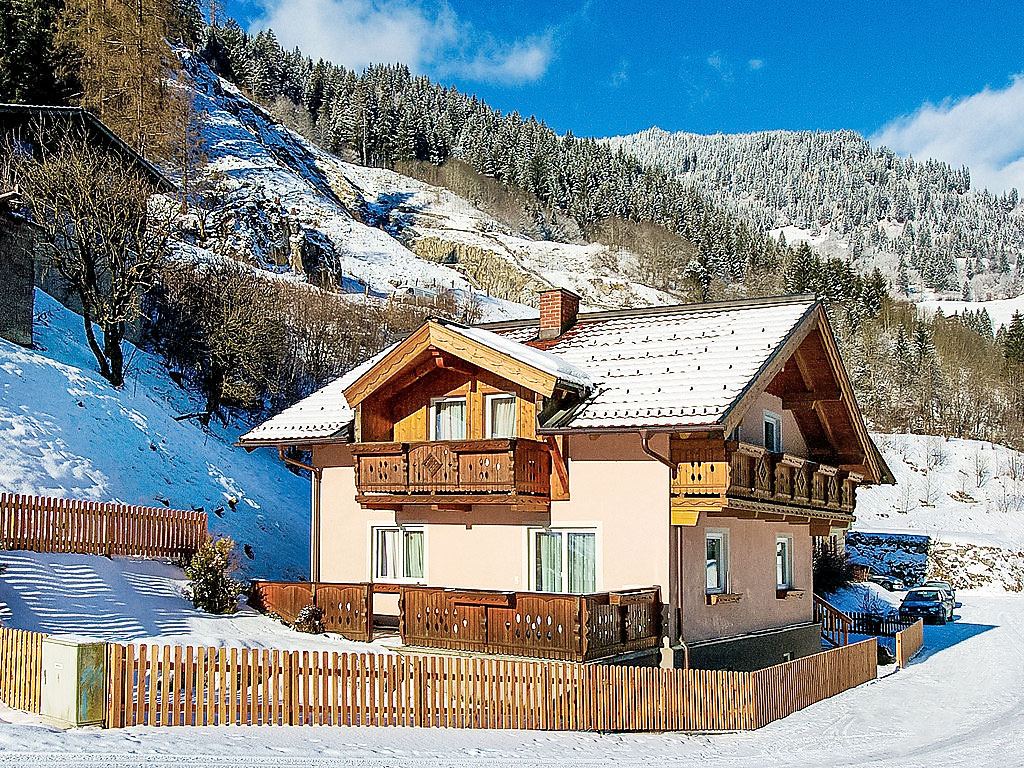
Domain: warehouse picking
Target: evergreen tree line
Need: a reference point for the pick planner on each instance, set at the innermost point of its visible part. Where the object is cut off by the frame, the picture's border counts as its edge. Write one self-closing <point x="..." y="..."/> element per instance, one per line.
<point x="921" y="215"/>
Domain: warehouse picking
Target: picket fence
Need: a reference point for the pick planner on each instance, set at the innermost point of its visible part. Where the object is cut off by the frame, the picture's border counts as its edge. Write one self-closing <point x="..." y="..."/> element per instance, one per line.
<point x="21" y="668"/>
<point x="908" y="642"/>
<point x="43" y="524"/>
<point x="167" y="686"/>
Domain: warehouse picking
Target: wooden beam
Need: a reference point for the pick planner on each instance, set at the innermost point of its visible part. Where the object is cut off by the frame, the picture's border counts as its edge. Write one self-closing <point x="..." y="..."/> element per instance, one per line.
<point x="558" y="464"/>
<point x="804" y="400"/>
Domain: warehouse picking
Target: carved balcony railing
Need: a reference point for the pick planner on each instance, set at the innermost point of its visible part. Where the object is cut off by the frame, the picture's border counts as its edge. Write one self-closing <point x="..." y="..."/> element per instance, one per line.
<point x="790" y="480"/>
<point x="750" y="473"/>
<point x="470" y="468"/>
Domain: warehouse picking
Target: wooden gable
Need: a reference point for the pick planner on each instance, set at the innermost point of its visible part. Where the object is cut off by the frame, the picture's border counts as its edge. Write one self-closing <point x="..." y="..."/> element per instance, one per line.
<point x="808" y="374"/>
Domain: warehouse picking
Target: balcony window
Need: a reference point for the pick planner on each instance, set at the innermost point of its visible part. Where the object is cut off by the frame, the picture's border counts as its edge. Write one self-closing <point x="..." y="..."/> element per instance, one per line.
<point x="449" y="422"/>
<point x="564" y="560"/>
<point x="501" y="416"/>
<point x="772" y="432"/>
<point x="398" y="554"/>
<point x="784" y="562"/>
<point x="717" y="564"/>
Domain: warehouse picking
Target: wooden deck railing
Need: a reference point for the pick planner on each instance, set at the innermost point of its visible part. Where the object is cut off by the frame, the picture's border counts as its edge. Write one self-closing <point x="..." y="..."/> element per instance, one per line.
<point x="164" y="685"/>
<point x="872" y="624"/>
<point x="784" y="479"/>
<point x="517" y="466"/>
<point x="534" y="624"/>
<point x="42" y="524"/>
<point x="836" y="626"/>
<point x="909" y="642"/>
<point x="21" y="668"/>
<point x="347" y="608"/>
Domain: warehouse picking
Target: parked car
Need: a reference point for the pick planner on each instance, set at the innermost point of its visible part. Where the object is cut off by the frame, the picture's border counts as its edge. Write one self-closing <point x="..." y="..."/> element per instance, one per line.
<point x="890" y="583"/>
<point x="940" y="585"/>
<point x="929" y="603"/>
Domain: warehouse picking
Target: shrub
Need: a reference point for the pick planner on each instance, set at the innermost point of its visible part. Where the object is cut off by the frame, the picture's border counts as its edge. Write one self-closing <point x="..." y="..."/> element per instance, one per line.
<point x="211" y="586"/>
<point x="832" y="570"/>
<point x="310" y="619"/>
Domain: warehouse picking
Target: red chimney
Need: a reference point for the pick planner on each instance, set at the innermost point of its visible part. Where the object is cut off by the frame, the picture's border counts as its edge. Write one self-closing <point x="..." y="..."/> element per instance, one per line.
<point x="558" y="310"/>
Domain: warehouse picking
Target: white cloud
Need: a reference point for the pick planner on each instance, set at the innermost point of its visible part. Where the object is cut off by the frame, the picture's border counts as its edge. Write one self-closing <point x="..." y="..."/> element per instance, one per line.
<point x="984" y="131"/>
<point x="721" y="65"/>
<point x="621" y="75"/>
<point x="755" y="64"/>
<point x="426" y="38"/>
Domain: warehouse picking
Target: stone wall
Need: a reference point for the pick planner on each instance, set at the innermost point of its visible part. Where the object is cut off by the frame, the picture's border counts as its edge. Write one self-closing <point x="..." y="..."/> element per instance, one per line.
<point x="16" y="285"/>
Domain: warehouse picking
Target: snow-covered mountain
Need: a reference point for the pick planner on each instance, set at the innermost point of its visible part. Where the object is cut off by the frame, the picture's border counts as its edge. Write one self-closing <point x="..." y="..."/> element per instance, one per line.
<point x="273" y="199"/>
<point x="64" y="431"/>
<point x="921" y="222"/>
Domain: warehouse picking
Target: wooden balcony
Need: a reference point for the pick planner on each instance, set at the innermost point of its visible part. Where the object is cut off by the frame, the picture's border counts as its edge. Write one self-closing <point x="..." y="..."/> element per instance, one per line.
<point x="761" y="483"/>
<point x="453" y="473"/>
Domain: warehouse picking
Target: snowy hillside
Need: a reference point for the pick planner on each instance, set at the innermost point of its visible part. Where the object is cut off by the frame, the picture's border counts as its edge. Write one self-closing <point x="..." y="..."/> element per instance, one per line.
<point x="271" y="198"/>
<point x="921" y="222"/>
<point x="65" y="432"/>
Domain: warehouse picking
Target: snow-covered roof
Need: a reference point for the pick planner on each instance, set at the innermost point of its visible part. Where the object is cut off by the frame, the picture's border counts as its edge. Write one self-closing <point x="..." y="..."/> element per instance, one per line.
<point x="318" y="416"/>
<point x="565" y="372"/>
<point x="673" y="366"/>
<point x="677" y="366"/>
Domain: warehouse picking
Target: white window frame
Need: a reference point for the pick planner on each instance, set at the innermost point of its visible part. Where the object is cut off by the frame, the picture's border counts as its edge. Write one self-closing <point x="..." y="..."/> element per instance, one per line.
<point x="531" y="554"/>
<point x="488" y="399"/>
<point x="776" y="421"/>
<point x="723" y="537"/>
<point x="787" y="564"/>
<point x="434" y="413"/>
<point x="402" y="530"/>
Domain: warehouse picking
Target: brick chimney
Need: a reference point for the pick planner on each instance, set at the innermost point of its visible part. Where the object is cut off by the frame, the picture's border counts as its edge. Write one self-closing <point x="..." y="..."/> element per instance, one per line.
<point x="558" y="310"/>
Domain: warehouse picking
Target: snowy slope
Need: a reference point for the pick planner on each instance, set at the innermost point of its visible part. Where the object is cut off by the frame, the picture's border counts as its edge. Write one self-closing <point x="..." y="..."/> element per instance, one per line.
<point x="277" y="200"/>
<point x="959" y="490"/>
<point x="133" y="601"/>
<point x="65" y="432"/>
<point x="1000" y="311"/>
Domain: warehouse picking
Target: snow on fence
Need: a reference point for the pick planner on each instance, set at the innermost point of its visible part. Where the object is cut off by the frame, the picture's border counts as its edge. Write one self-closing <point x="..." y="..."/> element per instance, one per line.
<point x="165" y="685"/>
<point x="909" y="642"/>
<point x="21" y="668"/>
<point x="43" y="524"/>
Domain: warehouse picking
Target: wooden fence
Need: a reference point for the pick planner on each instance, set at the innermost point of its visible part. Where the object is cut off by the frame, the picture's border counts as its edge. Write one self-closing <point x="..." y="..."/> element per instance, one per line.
<point x="908" y="642"/>
<point x="42" y="524"/>
<point x="872" y="624"/>
<point x="21" y="668"/>
<point x="539" y="625"/>
<point x="164" y="685"/>
<point x="347" y="608"/>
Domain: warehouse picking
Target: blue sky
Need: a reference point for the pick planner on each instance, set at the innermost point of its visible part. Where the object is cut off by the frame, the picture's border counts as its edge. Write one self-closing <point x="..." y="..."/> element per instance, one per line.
<point x="925" y="77"/>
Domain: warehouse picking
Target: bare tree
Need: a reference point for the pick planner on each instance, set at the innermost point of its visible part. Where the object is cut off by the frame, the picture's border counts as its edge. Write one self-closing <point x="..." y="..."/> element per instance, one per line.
<point x="99" y="235"/>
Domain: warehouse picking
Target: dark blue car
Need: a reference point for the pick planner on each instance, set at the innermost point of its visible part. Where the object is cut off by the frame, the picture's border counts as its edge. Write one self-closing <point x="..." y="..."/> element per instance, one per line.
<point x="932" y="604"/>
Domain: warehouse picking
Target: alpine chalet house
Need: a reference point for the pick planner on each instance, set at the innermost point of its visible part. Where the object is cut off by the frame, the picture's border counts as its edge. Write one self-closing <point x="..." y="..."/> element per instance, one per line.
<point x="694" y="449"/>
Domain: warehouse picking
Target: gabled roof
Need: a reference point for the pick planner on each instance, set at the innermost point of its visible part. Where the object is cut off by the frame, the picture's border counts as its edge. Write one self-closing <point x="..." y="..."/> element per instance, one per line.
<point x="41" y="122"/>
<point x="690" y="367"/>
<point x="533" y="368"/>
<point x="668" y="367"/>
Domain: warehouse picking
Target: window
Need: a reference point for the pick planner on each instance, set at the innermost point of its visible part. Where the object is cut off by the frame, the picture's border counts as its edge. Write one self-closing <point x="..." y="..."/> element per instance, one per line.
<point x="784" y="562"/>
<point x="397" y="554"/>
<point x="449" y="421"/>
<point x="772" y="432"/>
<point x="564" y="560"/>
<point x="717" y="563"/>
<point x="737" y="433"/>
<point x="501" y="416"/>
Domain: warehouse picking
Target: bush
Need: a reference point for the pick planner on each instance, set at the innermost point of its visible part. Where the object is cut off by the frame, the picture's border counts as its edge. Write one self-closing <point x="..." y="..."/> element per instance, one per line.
<point x="211" y="586"/>
<point x="310" y="619"/>
<point x="832" y="570"/>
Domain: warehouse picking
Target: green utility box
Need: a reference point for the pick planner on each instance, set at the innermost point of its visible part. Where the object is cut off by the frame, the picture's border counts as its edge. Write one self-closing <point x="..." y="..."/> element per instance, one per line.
<point x="74" y="690"/>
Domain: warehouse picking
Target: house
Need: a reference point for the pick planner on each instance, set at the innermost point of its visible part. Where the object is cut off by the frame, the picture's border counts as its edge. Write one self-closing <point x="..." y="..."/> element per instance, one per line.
<point x="30" y="128"/>
<point x="695" y="448"/>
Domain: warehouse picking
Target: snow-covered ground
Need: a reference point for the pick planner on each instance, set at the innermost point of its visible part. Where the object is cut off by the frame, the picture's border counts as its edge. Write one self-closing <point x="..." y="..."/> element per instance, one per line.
<point x="1000" y="311"/>
<point x="960" y="703"/>
<point x="132" y="600"/>
<point x="64" y="431"/>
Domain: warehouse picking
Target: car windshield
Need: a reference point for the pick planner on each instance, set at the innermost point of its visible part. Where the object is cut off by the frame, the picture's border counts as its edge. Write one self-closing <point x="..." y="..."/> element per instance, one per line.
<point x="923" y="596"/>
